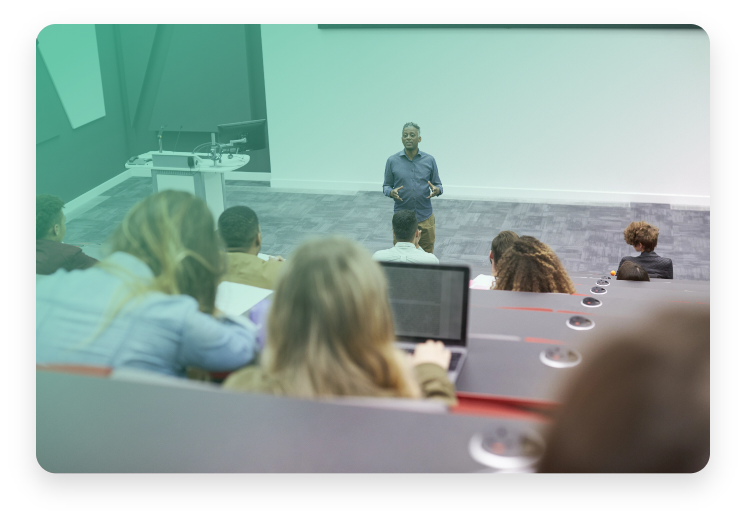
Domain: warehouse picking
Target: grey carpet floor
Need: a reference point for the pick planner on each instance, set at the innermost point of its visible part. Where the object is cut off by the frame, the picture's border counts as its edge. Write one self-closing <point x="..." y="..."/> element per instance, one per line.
<point x="585" y="237"/>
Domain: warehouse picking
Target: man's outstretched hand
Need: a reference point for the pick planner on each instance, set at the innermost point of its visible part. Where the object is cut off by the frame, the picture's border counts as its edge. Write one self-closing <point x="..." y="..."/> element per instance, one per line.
<point x="434" y="191"/>
<point x="395" y="193"/>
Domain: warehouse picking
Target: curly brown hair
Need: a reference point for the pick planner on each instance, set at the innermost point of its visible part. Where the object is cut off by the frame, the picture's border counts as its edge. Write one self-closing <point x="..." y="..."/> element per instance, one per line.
<point x="531" y="266"/>
<point x="642" y="232"/>
<point x="48" y="213"/>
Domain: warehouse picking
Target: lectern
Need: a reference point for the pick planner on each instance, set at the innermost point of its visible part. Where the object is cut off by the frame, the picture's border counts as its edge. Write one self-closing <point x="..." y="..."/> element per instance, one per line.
<point x="197" y="174"/>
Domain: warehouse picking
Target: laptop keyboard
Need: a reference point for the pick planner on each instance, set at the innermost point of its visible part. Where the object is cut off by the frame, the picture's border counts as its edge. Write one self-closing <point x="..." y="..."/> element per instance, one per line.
<point x="455" y="357"/>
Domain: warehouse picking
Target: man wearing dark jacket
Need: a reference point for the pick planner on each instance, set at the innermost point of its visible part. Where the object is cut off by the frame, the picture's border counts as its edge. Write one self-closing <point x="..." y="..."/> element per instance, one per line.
<point x="51" y="253"/>
<point x="644" y="238"/>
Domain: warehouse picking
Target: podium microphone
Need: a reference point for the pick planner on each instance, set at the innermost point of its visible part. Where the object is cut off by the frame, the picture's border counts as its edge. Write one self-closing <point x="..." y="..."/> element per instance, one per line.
<point x="177" y="137"/>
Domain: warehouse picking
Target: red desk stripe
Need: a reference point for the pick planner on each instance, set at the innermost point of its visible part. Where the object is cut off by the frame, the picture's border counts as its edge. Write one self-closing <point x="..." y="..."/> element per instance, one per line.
<point x="542" y="341"/>
<point x="525" y="308"/>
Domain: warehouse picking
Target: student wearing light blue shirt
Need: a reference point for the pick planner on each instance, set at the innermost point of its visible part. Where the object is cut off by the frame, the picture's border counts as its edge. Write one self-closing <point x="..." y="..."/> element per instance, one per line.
<point x="150" y="304"/>
<point x="406" y="238"/>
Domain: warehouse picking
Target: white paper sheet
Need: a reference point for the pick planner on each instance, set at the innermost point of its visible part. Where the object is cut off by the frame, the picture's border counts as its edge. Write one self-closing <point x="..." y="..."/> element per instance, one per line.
<point x="481" y="282"/>
<point x="237" y="299"/>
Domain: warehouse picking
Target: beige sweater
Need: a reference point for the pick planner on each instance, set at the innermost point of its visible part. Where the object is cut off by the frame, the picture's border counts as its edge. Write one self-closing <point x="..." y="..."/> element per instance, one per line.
<point x="433" y="381"/>
<point x="248" y="269"/>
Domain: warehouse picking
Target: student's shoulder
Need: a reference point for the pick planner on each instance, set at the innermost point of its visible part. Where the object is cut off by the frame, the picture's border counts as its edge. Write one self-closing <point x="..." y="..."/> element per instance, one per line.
<point x="63" y="249"/>
<point x="382" y="255"/>
<point x="252" y="379"/>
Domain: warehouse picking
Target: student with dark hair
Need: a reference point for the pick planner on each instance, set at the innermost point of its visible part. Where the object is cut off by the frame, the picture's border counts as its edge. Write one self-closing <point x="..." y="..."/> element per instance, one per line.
<point x="531" y="266"/>
<point x="644" y="238"/>
<point x="406" y="242"/>
<point x="51" y="253"/>
<point x="239" y="228"/>
<point x="503" y="241"/>
<point x="640" y="404"/>
<point x="150" y="305"/>
<point x="629" y="271"/>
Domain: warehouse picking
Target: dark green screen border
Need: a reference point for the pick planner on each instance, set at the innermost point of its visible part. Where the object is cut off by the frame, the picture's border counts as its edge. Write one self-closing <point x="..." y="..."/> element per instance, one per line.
<point x="508" y="26"/>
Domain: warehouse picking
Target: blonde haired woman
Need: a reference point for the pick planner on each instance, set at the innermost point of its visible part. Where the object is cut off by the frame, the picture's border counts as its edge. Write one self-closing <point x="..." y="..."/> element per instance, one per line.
<point x="151" y="303"/>
<point x="330" y="333"/>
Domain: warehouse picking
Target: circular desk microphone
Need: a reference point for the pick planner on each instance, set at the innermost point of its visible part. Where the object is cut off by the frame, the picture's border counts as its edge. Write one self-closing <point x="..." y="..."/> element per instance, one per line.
<point x="578" y="322"/>
<point x="602" y="282"/>
<point x="507" y="448"/>
<point x="591" y="302"/>
<point x="560" y="357"/>
<point x="598" y="290"/>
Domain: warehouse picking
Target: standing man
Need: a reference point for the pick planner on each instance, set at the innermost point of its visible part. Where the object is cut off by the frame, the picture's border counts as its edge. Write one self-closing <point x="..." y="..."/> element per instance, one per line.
<point x="411" y="178"/>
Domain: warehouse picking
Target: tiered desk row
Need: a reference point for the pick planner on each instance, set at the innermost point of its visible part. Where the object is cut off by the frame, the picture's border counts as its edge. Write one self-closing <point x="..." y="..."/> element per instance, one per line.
<point x="523" y="348"/>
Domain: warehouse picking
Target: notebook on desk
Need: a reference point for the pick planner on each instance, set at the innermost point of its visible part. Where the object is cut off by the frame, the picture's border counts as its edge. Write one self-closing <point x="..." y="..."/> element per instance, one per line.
<point x="430" y="302"/>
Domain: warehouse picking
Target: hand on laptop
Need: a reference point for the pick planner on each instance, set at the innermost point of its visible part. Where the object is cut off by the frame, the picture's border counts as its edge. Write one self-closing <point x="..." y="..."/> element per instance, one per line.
<point x="276" y="258"/>
<point x="431" y="352"/>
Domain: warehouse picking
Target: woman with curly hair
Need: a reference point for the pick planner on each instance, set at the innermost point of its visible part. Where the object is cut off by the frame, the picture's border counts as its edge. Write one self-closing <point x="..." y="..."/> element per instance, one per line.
<point x="531" y="266"/>
<point x="644" y="238"/>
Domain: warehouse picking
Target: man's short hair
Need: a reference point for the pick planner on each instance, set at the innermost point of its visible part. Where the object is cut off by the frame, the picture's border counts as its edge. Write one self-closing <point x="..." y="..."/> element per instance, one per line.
<point x="641" y="232"/>
<point x="503" y="241"/>
<point x="412" y="124"/>
<point x="404" y="224"/>
<point x="630" y="271"/>
<point x="48" y="214"/>
<point x="238" y="227"/>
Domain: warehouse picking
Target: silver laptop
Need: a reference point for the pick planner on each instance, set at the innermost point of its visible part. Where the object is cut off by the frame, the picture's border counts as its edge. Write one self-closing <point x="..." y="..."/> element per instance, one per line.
<point x="430" y="302"/>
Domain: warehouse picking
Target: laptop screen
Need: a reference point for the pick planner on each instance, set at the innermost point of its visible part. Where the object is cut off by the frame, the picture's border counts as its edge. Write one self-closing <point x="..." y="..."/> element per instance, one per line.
<point x="429" y="301"/>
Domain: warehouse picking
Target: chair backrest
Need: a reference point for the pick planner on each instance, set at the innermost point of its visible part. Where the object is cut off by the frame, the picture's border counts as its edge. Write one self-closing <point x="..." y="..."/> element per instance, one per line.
<point x="386" y="403"/>
<point x="135" y="375"/>
<point x="77" y="369"/>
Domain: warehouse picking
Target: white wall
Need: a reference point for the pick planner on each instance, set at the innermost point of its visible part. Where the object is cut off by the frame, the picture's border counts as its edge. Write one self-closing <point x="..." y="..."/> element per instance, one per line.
<point x="568" y="114"/>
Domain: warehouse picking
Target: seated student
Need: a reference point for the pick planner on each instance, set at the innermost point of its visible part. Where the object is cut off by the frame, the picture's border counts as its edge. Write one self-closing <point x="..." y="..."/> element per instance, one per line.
<point x="51" y="253"/>
<point x="330" y="332"/>
<point x="150" y="304"/>
<point x="531" y="266"/>
<point x="641" y="403"/>
<point x="644" y="237"/>
<point x="406" y="247"/>
<point x="629" y="271"/>
<point x="503" y="241"/>
<point x="239" y="228"/>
